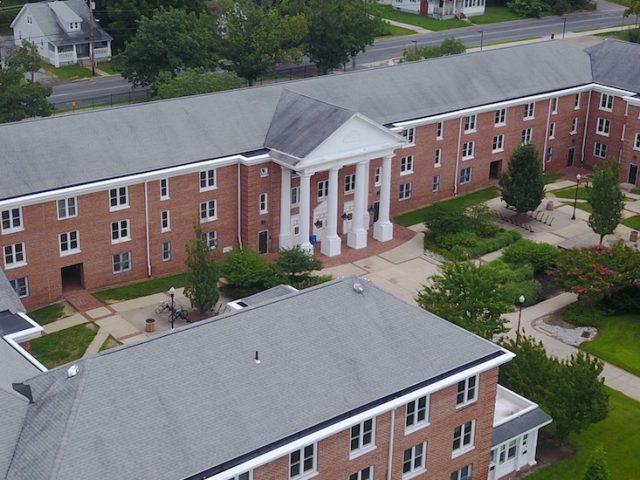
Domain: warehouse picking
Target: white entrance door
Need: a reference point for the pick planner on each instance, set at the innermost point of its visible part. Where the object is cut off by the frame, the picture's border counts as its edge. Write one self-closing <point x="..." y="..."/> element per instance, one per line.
<point x="347" y="217"/>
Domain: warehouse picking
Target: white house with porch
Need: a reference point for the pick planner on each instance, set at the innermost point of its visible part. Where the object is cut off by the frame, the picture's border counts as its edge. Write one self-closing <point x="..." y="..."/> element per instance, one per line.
<point x="64" y="32"/>
<point x="441" y="9"/>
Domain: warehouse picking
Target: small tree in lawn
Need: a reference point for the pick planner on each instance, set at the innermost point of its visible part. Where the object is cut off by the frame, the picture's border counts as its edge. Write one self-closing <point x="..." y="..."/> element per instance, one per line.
<point x="597" y="468"/>
<point x="606" y="200"/>
<point x="297" y="264"/>
<point x="523" y="184"/>
<point x="202" y="277"/>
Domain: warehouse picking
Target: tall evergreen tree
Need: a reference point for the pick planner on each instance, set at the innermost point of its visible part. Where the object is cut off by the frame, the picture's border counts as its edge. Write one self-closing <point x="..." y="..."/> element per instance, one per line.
<point x="606" y="200"/>
<point x="202" y="277"/>
<point x="598" y="468"/>
<point x="523" y="184"/>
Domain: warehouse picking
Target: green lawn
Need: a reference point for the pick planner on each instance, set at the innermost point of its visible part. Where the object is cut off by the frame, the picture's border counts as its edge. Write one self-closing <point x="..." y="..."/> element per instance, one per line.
<point x="586" y="206"/>
<point x="110" y="342"/>
<point x="617" y="341"/>
<point x="107" y="67"/>
<point x="417" y="216"/>
<point x="64" y="346"/>
<point x="395" y="31"/>
<point x="495" y="14"/>
<point x="49" y="314"/>
<point x="570" y="192"/>
<point x="141" y="289"/>
<point x="552" y="177"/>
<point x="632" y="222"/>
<point x="68" y="72"/>
<point x="387" y="11"/>
<point x="619" y="435"/>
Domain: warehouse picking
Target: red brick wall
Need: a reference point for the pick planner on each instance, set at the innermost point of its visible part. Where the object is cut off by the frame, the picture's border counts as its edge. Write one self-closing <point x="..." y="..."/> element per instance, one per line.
<point x="630" y="156"/>
<point x="613" y="141"/>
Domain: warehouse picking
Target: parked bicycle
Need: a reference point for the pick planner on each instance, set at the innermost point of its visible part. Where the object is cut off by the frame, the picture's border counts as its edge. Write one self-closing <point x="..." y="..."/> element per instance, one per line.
<point x="179" y="312"/>
<point x="164" y="307"/>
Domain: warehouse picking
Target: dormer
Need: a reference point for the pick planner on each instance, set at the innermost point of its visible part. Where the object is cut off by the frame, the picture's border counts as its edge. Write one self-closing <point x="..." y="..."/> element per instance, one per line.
<point x="68" y="20"/>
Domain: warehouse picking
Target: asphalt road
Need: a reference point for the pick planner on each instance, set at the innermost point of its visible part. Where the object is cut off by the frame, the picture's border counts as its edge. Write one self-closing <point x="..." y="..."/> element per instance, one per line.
<point x="105" y="90"/>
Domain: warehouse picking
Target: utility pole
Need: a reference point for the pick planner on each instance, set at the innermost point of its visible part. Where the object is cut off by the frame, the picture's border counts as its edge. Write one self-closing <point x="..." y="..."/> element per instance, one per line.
<point x="92" y="20"/>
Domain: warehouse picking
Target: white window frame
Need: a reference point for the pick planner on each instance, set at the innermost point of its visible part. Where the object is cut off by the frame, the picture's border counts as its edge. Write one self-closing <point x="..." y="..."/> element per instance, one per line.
<point x="165" y="221"/>
<point x="500" y="118"/>
<point x="439" y="130"/>
<point x="263" y="203"/>
<point x="359" y="434"/>
<point x="409" y="134"/>
<point x="470" y="123"/>
<point x="549" y="154"/>
<point x="377" y="177"/>
<point x="406" y="165"/>
<point x="295" y="196"/>
<point x="636" y="145"/>
<point x="207" y="208"/>
<point x="19" y="285"/>
<point x="120" y="261"/>
<point x="464" y="473"/>
<point x="603" y="126"/>
<point x="466" y="175"/>
<point x="405" y="191"/>
<point x="211" y="239"/>
<point x="208" y="180"/>
<point x="413" y="411"/>
<point x="364" y="474"/>
<point x="529" y="111"/>
<point x="467" y="391"/>
<point x="435" y="185"/>
<point x="65" y="205"/>
<point x="243" y="476"/>
<point x="66" y="239"/>
<point x="349" y="184"/>
<point x="498" y="143"/>
<point x="437" y="158"/>
<point x="323" y="189"/>
<point x="165" y="193"/>
<point x="303" y="457"/>
<point x="118" y="198"/>
<point x="121" y="225"/>
<point x="15" y="221"/>
<point x="411" y="455"/>
<point x="606" y="102"/>
<point x="527" y="136"/>
<point x="600" y="150"/>
<point x="554" y="105"/>
<point x="166" y="251"/>
<point x="464" y="435"/>
<point x="574" y="126"/>
<point x="552" y="130"/>
<point x="12" y="252"/>
<point x="576" y="104"/>
<point x="468" y="150"/>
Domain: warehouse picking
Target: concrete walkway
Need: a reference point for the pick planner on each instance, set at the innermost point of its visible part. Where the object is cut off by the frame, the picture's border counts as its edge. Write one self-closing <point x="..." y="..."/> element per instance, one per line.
<point x="407" y="26"/>
<point x="96" y="343"/>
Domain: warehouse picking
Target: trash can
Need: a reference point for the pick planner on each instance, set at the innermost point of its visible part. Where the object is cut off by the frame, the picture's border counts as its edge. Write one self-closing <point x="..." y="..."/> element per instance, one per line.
<point x="150" y="325"/>
<point x="313" y="239"/>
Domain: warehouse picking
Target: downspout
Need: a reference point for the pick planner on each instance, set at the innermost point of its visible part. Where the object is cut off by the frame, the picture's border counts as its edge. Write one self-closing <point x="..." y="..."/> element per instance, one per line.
<point x="239" y="209"/>
<point x="456" y="173"/>
<point x="586" y="126"/>
<point x="146" y="228"/>
<point x="546" y="138"/>
<point x="391" y="435"/>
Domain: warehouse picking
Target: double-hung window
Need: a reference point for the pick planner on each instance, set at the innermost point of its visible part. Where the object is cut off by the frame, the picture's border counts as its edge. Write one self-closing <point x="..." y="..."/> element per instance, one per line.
<point x="364" y="474"/>
<point x="323" y="188"/>
<point x="470" y="124"/>
<point x="263" y="203"/>
<point x="606" y="102"/>
<point x="118" y="198"/>
<point x="554" y="105"/>
<point x="636" y="144"/>
<point x="377" y="177"/>
<point x="406" y="165"/>
<point x="501" y="117"/>
<point x="14" y="255"/>
<point x="417" y="415"/>
<point x="463" y="437"/>
<point x="468" y="149"/>
<point x="552" y="130"/>
<point x="465" y="175"/>
<point x="529" y="111"/>
<point x="362" y="437"/>
<point x="120" y="231"/>
<point x="121" y="262"/>
<point x="67" y="208"/>
<point x="574" y="126"/>
<point x="69" y="243"/>
<point x="498" y="143"/>
<point x="12" y="220"/>
<point x="207" y="180"/>
<point x="20" y="286"/>
<point x="600" y="150"/>
<point x="349" y="183"/>
<point x="439" y="131"/>
<point x="437" y="158"/>
<point x="604" y="126"/>
<point x="435" y="186"/>
<point x="527" y="135"/>
<point x="295" y="196"/>
<point x="409" y="134"/>
<point x="462" y="474"/>
<point x="166" y="251"/>
<point x="211" y="239"/>
<point x="302" y="462"/>
<point x="208" y="211"/>
<point x="576" y="103"/>
<point x="414" y="460"/>
<point x="405" y="191"/>
<point x="164" y="189"/>
<point x="467" y="391"/>
<point x="165" y="221"/>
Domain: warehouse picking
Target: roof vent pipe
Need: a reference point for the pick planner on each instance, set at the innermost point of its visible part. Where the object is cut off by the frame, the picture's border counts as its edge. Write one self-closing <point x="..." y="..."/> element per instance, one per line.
<point x="257" y="358"/>
<point x="358" y="288"/>
<point x="72" y="371"/>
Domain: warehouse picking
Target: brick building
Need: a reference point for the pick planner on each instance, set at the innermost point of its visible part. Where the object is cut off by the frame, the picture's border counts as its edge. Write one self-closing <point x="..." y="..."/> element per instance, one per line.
<point x="340" y="381"/>
<point x="108" y="197"/>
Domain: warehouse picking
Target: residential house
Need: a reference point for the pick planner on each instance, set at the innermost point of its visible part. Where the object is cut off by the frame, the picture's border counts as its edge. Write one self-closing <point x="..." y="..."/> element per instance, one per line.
<point x="64" y="31"/>
<point x="441" y="9"/>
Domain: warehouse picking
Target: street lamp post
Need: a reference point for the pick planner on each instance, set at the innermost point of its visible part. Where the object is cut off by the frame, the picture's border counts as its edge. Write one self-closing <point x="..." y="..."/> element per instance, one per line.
<point x="481" y="32"/>
<point x="564" y="26"/>
<point x="575" y="198"/>
<point x="521" y="300"/>
<point x="172" y="292"/>
<point x="415" y="45"/>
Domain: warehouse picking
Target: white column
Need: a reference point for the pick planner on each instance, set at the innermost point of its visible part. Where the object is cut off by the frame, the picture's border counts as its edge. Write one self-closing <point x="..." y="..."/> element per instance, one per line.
<point x="357" y="237"/>
<point x="305" y="211"/>
<point x="383" y="228"/>
<point x="366" y="219"/>
<point x="331" y="243"/>
<point x="285" y="238"/>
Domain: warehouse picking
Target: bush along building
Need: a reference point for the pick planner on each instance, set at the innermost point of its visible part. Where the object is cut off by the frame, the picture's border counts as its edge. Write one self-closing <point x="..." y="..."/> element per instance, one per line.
<point x="340" y="381"/>
<point x="107" y="197"/>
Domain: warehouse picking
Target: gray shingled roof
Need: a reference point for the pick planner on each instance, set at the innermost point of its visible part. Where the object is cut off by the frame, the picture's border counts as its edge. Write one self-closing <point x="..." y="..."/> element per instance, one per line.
<point x="9" y="300"/>
<point x="532" y="419"/>
<point x="180" y="403"/>
<point x="15" y="367"/>
<point x="617" y="64"/>
<point x="90" y="146"/>
<point x="266" y="295"/>
<point x="13" y="408"/>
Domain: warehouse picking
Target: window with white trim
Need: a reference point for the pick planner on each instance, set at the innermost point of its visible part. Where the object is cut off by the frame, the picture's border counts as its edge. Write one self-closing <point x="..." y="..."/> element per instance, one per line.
<point x="120" y="231"/>
<point x="512" y="449"/>
<point x="549" y="156"/>
<point x="529" y="111"/>
<point x="498" y="143"/>
<point x="165" y="221"/>
<point x="463" y="474"/>
<point x="409" y="134"/>
<point x="417" y="414"/>
<point x="243" y="476"/>
<point x="606" y="102"/>
<point x="439" y="131"/>
<point x="166" y="251"/>
<point x="377" y="177"/>
<point x="121" y="262"/>
<point x="164" y="189"/>
<point x="576" y="103"/>
<point x="208" y="180"/>
<point x="527" y="134"/>
<point x="465" y="175"/>
<point x="414" y="460"/>
<point x="211" y="239"/>
<point x="467" y="391"/>
<point x="524" y="444"/>
<point x="552" y="130"/>
<point x="469" y="123"/>
<point x="350" y="183"/>
<point x="362" y="437"/>
<point x="437" y="158"/>
<point x="323" y="189"/>
<point x="14" y="255"/>
<point x="406" y="165"/>
<point x="69" y="243"/>
<point x="554" y="105"/>
<point x="364" y="474"/>
<point x="463" y="437"/>
<point x="263" y="203"/>
<point x="574" y="126"/>
<point x="208" y="211"/>
<point x="604" y="126"/>
<point x="118" y="198"/>
<point x="435" y="186"/>
<point x="501" y="117"/>
<point x="468" y="149"/>
<point x="405" y="191"/>
<point x="600" y="150"/>
<point x="12" y="220"/>
<point x="295" y="196"/>
<point x="636" y="144"/>
<point x="302" y="463"/>
<point x="20" y="286"/>
<point x="67" y="208"/>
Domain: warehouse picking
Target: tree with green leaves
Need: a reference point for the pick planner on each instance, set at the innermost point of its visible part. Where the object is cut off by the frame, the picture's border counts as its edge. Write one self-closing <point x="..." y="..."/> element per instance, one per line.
<point x="258" y="38"/>
<point x="522" y="184"/>
<point x="452" y="46"/>
<point x="597" y="468"/>
<point x="201" y="285"/>
<point x="633" y="9"/>
<point x="195" y="81"/>
<point x="170" y="41"/>
<point x="606" y="199"/>
<point x="20" y="98"/>
<point x="339" y="30"/>
<point x="297" y="264"/>
<point x="247" y="272"/>
<point x="467" y="296"/>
